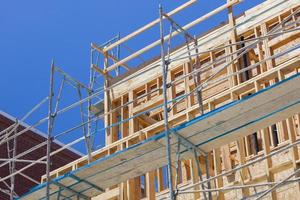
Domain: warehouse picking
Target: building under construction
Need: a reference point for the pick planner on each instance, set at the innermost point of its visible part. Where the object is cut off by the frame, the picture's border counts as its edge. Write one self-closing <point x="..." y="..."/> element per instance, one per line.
<point x="216" y="117"/>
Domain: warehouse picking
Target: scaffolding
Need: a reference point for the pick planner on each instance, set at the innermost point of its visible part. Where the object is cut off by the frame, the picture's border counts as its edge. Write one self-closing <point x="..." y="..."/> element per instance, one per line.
<point x="190" y="139"/>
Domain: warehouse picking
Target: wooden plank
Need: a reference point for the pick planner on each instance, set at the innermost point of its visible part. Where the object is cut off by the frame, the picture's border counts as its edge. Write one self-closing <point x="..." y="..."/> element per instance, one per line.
<point x="149" y="25"/>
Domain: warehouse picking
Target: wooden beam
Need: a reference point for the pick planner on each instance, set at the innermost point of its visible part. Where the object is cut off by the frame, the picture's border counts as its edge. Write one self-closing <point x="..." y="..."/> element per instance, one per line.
<point x="244" y="171"/>
<point x="147" y="120"/>
<point x="186" y="27"/>
<point x="266" y="48"/>
<point x="160" y="180"/>
<point x="150" y="185"/>
<point x="100" y="71"/>
<point x="94" y="46"/>
<point x="146" y="27"/>
<point x="218" y="170"/>
<point x="107" y="104"/>
<point x="294" y="151"/>
<point x="195" y="177"/>
<point x="134" y="189"/>
<point x="234" y="80"/>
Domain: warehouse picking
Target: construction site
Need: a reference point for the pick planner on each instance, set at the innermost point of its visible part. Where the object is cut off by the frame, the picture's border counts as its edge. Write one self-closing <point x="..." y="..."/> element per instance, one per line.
<point x="213" y="116"/>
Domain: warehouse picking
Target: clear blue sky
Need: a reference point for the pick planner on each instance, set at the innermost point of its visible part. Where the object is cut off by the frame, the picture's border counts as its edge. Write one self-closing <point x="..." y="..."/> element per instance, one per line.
<point x="33" y="32"/>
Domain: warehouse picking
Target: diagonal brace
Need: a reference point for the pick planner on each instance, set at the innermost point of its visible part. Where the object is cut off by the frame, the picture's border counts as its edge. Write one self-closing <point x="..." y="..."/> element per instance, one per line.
<point x="190" y="146"/>
<point x="179" y="28"/>
<point x="71" y="190"/>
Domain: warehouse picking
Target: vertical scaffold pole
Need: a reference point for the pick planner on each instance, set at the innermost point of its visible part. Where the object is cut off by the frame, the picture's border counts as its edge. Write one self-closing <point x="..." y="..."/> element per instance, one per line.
<point x="164" y="67"/>
<point x="84" y="129"/>
<point x="12" y="165"/>
<point x="201" y="109"/>
<point x="90" y="92"/>
<point x="49" y="132"/>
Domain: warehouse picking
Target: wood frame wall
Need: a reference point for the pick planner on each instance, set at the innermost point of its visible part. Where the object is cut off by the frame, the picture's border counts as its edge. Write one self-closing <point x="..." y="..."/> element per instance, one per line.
<point x="221" y="159"/>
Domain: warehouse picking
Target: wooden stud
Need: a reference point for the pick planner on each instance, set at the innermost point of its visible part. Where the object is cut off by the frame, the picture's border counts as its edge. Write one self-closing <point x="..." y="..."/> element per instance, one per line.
<point x="195" y="177"/>
<point x="218" y="170"/>
<point x="267" y="149"/>
<point x="150" y="186"/>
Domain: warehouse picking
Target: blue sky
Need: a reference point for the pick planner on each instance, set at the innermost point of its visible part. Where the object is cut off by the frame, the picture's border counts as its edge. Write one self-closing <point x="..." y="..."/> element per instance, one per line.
<point x="33" y="32"/>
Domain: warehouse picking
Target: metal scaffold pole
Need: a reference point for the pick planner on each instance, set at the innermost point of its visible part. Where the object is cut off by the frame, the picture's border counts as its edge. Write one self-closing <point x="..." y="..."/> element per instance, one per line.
<point x="11" y="153"/>
<point x="164" y="67"/>
<point x="86" y="133"/>
<point x="49" y="132"/>
<point x="90" y="92"/>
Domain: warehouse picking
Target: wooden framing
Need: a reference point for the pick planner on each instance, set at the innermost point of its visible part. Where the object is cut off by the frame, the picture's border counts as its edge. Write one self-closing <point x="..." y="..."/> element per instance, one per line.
<point x="188" y="26"/>
<point x="145" y="93"/>
<point x="101" y="177"/>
